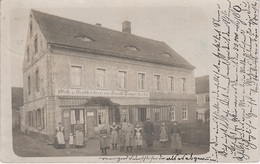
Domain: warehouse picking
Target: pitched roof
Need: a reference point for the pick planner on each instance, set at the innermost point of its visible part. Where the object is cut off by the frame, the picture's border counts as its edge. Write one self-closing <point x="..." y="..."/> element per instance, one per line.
<point x="17" y="97"/>
<point x="63" y="31"/>
<point x="202" y="84"/>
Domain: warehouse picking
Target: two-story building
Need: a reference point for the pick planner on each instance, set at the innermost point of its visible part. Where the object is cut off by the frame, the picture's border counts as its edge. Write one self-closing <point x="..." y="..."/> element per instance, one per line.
<point x="203" y="98"/>
<point x="69" y="62"/>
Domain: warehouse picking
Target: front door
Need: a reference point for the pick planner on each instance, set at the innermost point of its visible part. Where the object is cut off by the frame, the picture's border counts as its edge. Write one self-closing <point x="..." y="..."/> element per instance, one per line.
<point x="77" y="120"/>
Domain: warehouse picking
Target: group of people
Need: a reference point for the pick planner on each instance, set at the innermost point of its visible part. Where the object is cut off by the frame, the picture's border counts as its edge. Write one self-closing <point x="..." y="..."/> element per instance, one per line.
<point x="127" y="137"/>
<point x="124" y="137"/>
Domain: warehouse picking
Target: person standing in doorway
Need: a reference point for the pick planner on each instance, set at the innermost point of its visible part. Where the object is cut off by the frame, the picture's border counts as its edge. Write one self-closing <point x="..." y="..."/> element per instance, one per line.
<point x="129" y="138"/>
<point x="176" y="137"/>
<point x="149" y="131"/>
<point x="104" y="139"/>
<point x="138" y="136"/>
<point x="163" y="134"/>
<point x="59" y="142"/>
<point x="114" y="135"/>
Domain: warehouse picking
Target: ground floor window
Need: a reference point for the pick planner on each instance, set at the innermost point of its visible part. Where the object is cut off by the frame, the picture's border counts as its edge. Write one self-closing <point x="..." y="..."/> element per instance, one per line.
<point x="141" y="114"/>
<point x="77" y="119"/>
<point x="184" y="113"/>
<point x="172" y="113"/>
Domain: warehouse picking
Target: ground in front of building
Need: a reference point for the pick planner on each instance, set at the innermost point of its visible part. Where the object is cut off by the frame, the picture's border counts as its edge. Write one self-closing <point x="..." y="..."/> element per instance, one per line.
<point x="26" y="146"/>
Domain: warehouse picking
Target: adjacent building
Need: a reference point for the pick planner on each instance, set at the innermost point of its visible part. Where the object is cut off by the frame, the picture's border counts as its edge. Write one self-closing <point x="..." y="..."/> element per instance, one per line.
<point x="203" y="98"/>
<point x="67" y="63"/>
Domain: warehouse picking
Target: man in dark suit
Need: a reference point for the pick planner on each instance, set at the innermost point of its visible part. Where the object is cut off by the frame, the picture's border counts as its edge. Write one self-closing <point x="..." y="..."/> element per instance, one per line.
<point x="149" y="131"/>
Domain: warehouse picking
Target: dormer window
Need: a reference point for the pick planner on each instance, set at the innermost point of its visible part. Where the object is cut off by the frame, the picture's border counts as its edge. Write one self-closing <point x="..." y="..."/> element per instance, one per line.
<point x="131" y="48"/>
<point x="84" y="38"/>
<point x="166" y="55"/>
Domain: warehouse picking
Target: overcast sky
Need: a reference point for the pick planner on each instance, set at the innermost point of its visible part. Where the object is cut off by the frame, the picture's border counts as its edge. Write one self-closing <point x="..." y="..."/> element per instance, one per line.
<point x="183" y="27"/>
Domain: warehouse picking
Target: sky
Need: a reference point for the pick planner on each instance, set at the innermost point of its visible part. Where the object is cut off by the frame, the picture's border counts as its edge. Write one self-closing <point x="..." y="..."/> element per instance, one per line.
<point x="183" y="26"/>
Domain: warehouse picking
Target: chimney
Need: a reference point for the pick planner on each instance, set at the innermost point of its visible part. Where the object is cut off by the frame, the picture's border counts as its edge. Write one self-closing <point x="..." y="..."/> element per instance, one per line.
<point x="98" y="24"/>
<point x="126" y="27"/>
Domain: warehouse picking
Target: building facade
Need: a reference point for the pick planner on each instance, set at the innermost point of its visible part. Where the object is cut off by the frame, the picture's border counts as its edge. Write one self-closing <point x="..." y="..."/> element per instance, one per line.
<point x="203" y="98"/>
<point x="68" y="63"/>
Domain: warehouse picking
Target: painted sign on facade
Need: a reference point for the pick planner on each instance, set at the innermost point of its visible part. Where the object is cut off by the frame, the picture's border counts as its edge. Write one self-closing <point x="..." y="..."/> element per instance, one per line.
<point x="101" y="93"/>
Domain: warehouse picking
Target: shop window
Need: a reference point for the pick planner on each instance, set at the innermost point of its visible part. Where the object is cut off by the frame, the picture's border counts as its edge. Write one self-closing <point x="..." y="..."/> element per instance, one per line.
<point x="184" y="113"/>
<point x="141" y="114"/>
<point x="141" y="81"/>
<point x="157" y="82"/>
<point x="122" y="77"/>
<point x="157" y="116"/>
<point x="102" y="116"/>
<point x="100" y="78"/>
<point x="77" y="116"/>
<point x="172" y="113"/>
<point x="124" y="115"/>
<point x="76" y="73"/>
<point x="171" y="83"/>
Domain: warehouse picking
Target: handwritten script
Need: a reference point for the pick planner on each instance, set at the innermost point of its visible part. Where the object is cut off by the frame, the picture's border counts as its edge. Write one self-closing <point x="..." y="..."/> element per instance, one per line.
<point x="234" y="108"/>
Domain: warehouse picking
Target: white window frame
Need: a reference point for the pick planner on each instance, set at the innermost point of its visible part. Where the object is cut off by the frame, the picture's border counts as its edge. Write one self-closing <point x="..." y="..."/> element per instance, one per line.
<point x="184" y="119"/>
<point x="155" y="82"/>
<point x="105" y="78"/>
<point x="174" y="113"/>
<point x="171" y="87"/>
<point x="125" y="81"/>
<point x="81" y="76"/>
<point x="144" y="81"/>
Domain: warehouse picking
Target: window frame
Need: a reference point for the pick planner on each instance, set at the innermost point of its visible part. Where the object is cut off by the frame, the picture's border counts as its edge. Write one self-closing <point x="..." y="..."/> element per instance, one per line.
<point x="186" y="108"/>
<point x="31" y="28"/>
<point x="105" y="78"/>
<point x="183" y="85"/>
<point x="28" y="54"/>
<point x="171" y="83"/>
<point x="29" y="85"/>
<point x="37" y="80"/>
<point x="205" y="98"/>
<point x="81" y="76"/>
<point x="125" y="80"/>
<point x="174" y="113"/>
<point x="155" y="82"/>
<point x="144" y="81"/>
<point x="36" y="44"/>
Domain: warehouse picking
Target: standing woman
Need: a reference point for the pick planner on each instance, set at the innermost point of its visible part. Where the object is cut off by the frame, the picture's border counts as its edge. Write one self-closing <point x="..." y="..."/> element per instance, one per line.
<point x="176" y="137"/>
<point x="121" y="138"/>
<point x="138" y="136"/>
<point x="104" y="139"/>
<point x="59" y="142"/>
<point x="163" y="134"/>
<point x="114" y="135"/>
<point x="129" y="137"/>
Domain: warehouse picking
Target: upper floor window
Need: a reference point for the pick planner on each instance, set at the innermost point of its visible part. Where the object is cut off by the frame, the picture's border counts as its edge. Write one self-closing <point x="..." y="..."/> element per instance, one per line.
<point x="31" y="29"/>
<point x="122" y="79"/>
<point x="206" y="98"/>
<point x="36" y="44"/>
<point x="37" y="81"/>
<point x="157" y="82"/>
<point x="29" y="85"/>
<point x="101" y="77"/>
<point x="184" y="113"/>
<point x="171" y="83"/>
<point x="197" y="100"/>
<point x="141" y="80"/>
<point x="28" y="53"/>
<point x="76" y="72"/>
<point x="183" y="84"/>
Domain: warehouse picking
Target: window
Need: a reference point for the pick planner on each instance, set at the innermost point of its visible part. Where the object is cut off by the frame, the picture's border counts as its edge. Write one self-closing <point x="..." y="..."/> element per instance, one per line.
<point x="28" y="54"/>
<point x="102" y="116"/>
<point x="42" y="118"/>
<point x="157" y="82"/>
<point x="122" y="79"/>
<point x="76" y="72"/>
<point x="101" y="78"/>
<point x="38" y="118"/>
<point x="141" y="114"/>
<point x="37" y="80"/>
<point x="132" y="48"/>
<point x="29" y="85"/>
<point x="141" y="79"/>
<point x="206" y="98"/>
<point x="36" y="44"/>
<point x="30" y="118"/>
<point x="31" y="29"/>
<point x="84" y="38"/>
<point x="183" y="84"/>
<point x="172" y="113"/>
<point x="171" y="83"/>
<point x="77" y="116"/>
<point x="157" y="115"/>
<point x="184" y="113"/>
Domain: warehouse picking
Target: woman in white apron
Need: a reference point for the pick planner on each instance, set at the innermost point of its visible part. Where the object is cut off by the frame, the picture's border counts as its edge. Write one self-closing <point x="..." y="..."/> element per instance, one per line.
<point x="59" y="142"/>
<point x="138" y="137"/>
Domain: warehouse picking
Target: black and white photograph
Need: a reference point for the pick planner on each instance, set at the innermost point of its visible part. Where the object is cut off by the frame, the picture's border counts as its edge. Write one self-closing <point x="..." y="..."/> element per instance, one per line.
<point x="131" y="81"/>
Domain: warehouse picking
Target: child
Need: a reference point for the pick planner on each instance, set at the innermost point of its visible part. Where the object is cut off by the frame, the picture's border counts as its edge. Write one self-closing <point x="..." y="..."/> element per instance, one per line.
<point x="71" y="140"/>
